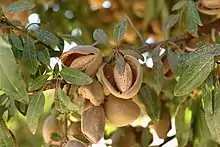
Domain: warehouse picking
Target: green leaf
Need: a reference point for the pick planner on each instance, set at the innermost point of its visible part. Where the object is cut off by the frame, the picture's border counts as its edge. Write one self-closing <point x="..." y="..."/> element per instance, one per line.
<point x="74" y="76"/>
<point x="172" y="20"/>
<point x="145" y="137"/>
<point x="65" y="100"/>
<point x="44" y="56"/>
<point x="16" y="41"/>
<point x="34" y="111"/>
<point x="11" y="81"/>
<point x="120" y="29"/>
<point x="47" y="37"/>
<point x="173" y="61"/>
<point x="150" y="99"/>
<point x="100" y="36"/>
<point x="179" y="5"/>
<point x="213" y="120"/>
<point x="38" y="82"/>
<point x="193" y="18"/>
<point x="78" y="40"/>
<point x="30" y="56"/>
<point x="55" y="136"/>
<point x="133" y="53"/>
<point x="81" y="137"/>
<point x="201" y="132"/>
<point x="120" y="63"/>
<point x="6" y="139"/>
<point x="194" y="75"/>
<point x="19" y="6"/>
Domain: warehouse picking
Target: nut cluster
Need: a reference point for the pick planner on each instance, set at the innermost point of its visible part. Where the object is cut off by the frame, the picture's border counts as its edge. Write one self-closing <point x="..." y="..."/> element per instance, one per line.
<point x="110" y="97"/>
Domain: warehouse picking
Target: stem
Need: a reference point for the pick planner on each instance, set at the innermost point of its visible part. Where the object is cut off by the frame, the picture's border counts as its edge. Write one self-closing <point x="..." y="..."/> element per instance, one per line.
<point x="137" y="32"/>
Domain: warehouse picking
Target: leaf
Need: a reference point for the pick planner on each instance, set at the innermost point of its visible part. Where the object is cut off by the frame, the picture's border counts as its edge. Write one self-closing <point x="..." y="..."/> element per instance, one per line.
<point x="100" y="36"/>
<point x="78" y="40"/>
<point x="173" y="61"/>
<point x="193" y="18"/>
<point x="150" y="99"/>
<point x="213" y="120"/>
<point x="81" y="137"/>
<point x="16" y="41"/>
<point x="55" y="136"/>
<point x="34" y="111"/>
<point x="3" y="97"/>
<point x="201" y="132"/>
<point x="19" y="6"/>
<point x="145" y="137"/>
<point x="120" y="63"/>
<point x="46" y="37"/>
<point x="65" y="100"/>
<point x="133" y="53"/>
<point x="44" y="56"/>
<point x="12" y="110"/>
<point x="194" y="75"/>
<point x="74" y="76"/>
<point x="11" y="81"/>
<point x="38" y="82"/>
<point x="172" y="20"/>
<point x="120" y="29"/>
<point x="30" y="56"/>
<point x="6" y="139"/>
<point x="179" y="5"/>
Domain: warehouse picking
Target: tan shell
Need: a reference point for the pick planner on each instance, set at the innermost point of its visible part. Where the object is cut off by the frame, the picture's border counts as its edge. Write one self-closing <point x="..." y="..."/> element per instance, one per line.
<point x="50" y="126"/>
<point x="211" y="4"/>
<point x="70" y="56"/>
<point x="106" y="74"/>
<point x="123" y="80"/>
<point x="82" y="62"/>
<point x="206" y="10"/>
<point x="74" y="143"/>
<point x="121" y="112"/>
<point x="93" y="123"/>
<point x="93" y="92"/>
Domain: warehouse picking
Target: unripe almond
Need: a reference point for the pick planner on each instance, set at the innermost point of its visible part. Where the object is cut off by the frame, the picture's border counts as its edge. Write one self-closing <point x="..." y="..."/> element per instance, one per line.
<point x="93" y="92"/>
<point x="121" y="112"/>
<point x="93" y="123"/>
<point x="123" y="80"/>
<point x="82" y="62"/>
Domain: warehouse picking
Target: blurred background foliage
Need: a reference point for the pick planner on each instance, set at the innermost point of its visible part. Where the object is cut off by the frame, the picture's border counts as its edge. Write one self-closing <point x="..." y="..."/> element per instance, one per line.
<point x="76" y="20"/>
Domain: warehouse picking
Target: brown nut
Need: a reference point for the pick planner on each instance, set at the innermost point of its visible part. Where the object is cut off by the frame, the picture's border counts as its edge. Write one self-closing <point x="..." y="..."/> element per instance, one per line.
<point x="93" y="92"/>
<point x="84" y="58"/>
<point x="93" y="123"/>
<point x="106" y="74"/>
<point x="121" y="112"/>
<point x="74" y="128"/>
<point x="208" y="7"/>
<point x="50" y="126"/>
<point x="74" y="143"/>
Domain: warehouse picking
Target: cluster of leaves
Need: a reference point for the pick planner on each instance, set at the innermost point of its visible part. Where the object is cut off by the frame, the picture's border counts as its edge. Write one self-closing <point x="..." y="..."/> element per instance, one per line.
<point x="191" y="94"/>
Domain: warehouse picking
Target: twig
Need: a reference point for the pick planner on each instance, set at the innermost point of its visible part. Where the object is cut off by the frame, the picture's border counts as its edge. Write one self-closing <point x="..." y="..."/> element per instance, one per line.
<point x="137" y="32"/>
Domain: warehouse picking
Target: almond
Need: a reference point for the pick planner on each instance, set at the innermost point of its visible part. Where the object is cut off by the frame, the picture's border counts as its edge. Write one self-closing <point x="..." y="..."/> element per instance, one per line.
<point x="82" y="62"/>
<point x="211" y="4"/>
<point x="123" y="80"/>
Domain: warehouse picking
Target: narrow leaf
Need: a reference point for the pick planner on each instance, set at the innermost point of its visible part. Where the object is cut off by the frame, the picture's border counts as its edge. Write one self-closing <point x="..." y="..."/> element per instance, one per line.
<point x="55" y="136"/>
<point x="179" y="5"/>
<point x="16" y="42"/>
<point x="100" y="36"/>
<point x="30" y="56"/>
<point x="173" y="61"/>
<point x="19" y="6"/>
<point x="120" y="63"/>
<point x="6" y="139"/>
<point x="47" y="37"/>
<point x="38" y="82"/>
<point x="120" y="29"/>
<point x="74" y="76"/>
<point x="133" y="53"/>
<point x="65" y="100"/>
<point x="44" y="57"/>
<point x="150" y="99"/>
<point x="35" y="109"/>
<point x="172" y="20"/>
<point x="145" y="137"/>
<point x="194" y="75"/>
<point x="10" y="77"/>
